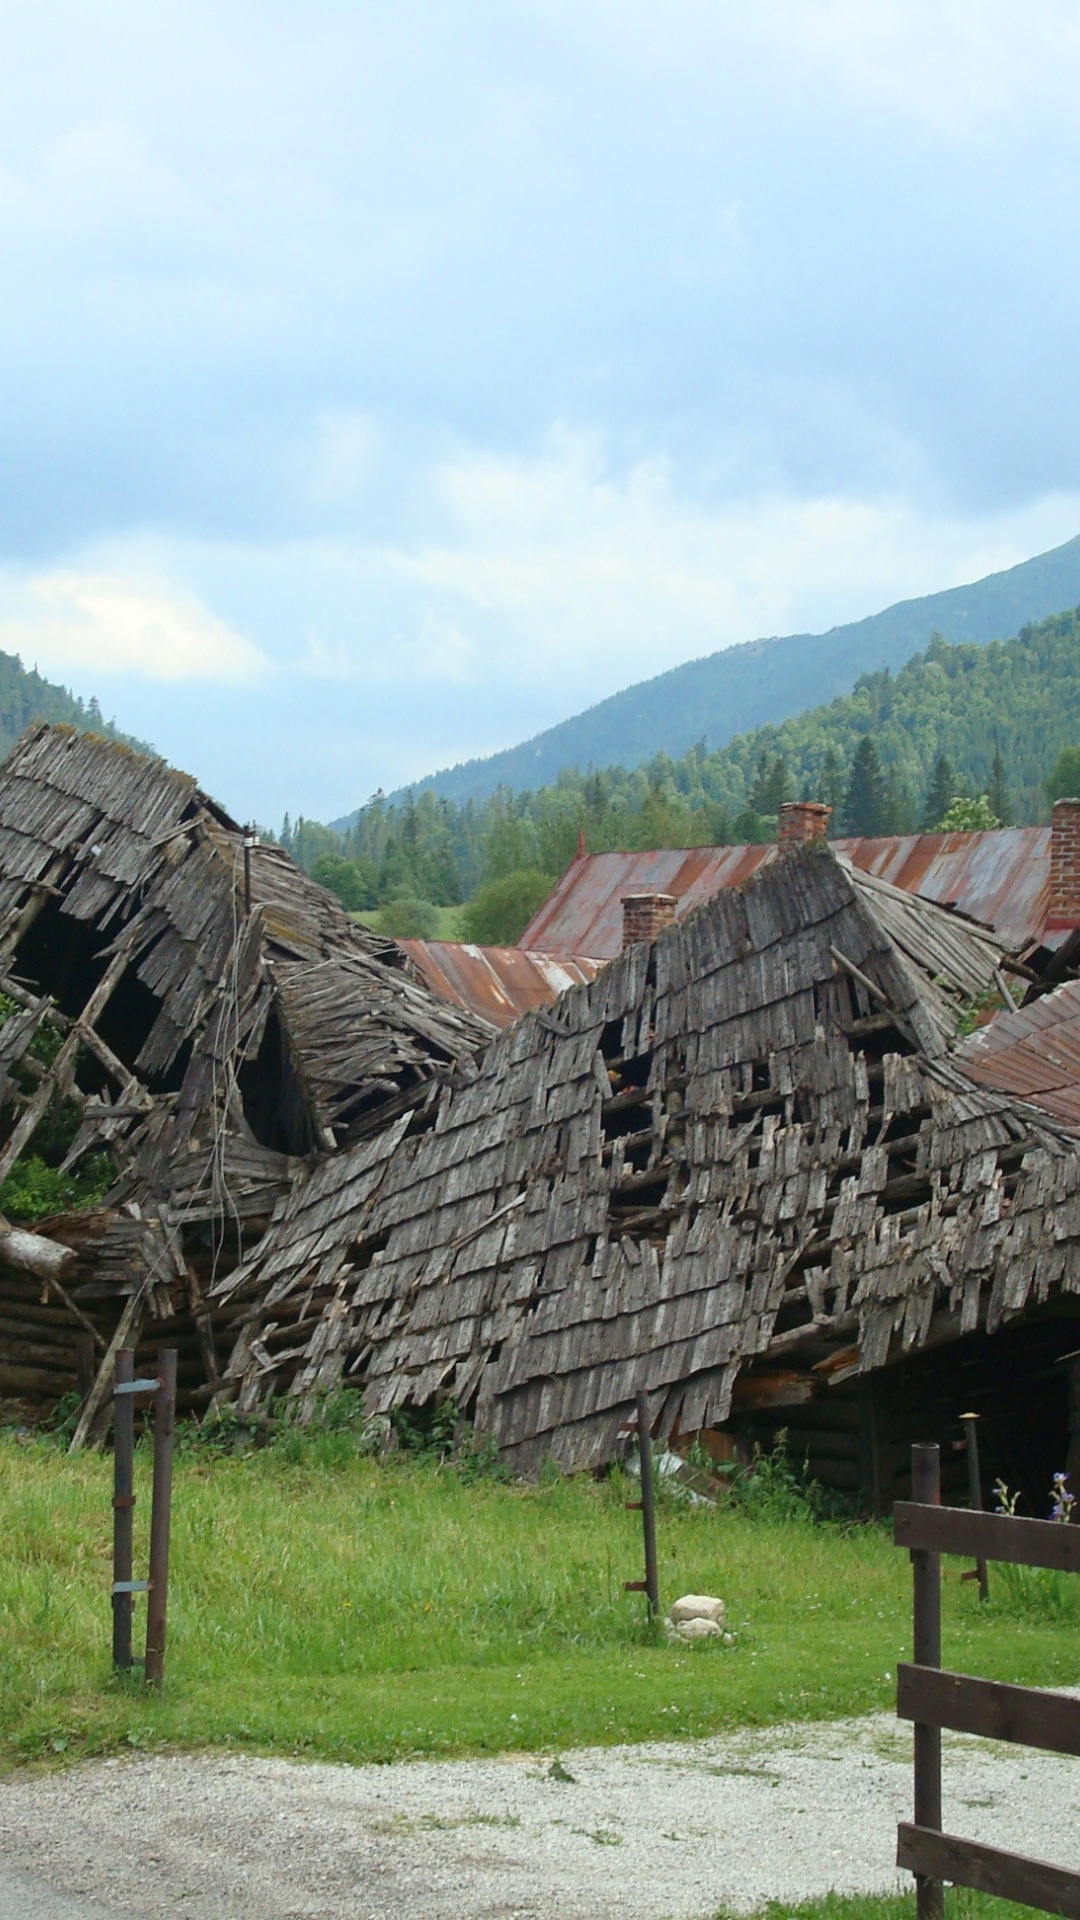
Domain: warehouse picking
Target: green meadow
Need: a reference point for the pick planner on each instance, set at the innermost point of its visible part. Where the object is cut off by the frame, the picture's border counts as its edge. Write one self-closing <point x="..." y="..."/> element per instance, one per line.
<point x="327" y="1604"/>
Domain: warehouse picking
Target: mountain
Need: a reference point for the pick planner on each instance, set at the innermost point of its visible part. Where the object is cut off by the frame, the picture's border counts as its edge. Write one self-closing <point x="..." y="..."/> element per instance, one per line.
<point x="965" y="718"/>
<point x="764" y="681"/>
<point x="25" y="696"/>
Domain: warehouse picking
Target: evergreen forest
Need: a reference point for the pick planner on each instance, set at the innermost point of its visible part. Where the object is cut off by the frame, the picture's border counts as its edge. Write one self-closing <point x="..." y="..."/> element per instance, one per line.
<point x="25" y="697"/>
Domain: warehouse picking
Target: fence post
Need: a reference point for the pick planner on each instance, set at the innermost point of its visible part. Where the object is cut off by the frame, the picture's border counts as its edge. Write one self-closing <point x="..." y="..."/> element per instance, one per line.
<point x="648" y="1503"/>
<point x="160" y="1514"/>
<point x="971" y="1423"/>
<point x="926" y="1582"/>
<point x="646" y="1506"/>
<point x="123" y="1508"/>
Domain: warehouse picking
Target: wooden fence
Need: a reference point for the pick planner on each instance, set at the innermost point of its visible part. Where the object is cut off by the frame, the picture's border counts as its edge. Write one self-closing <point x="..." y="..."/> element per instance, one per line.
<point x="934" y="1698"/>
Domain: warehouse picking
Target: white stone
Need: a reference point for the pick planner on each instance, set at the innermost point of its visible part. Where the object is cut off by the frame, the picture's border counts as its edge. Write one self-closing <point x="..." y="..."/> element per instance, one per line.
<point x="698" y="1629"/>
<point x="697" y="1606"/>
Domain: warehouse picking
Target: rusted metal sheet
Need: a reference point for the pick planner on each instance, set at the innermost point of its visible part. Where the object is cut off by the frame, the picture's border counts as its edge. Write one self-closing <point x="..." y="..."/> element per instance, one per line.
<point x="1033" y="1053"/>
<point x="498" y="984"/>
<point x="1000" y="878"/>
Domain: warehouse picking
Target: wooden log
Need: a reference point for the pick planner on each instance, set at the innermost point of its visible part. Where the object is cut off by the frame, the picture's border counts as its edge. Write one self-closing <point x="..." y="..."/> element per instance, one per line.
<point x="48" y="1382"/>
<point x="96" y="1408"/>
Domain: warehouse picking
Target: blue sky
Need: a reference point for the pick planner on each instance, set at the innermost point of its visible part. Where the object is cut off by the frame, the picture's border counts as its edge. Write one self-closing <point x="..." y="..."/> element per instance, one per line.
<point x="383" y="381"/>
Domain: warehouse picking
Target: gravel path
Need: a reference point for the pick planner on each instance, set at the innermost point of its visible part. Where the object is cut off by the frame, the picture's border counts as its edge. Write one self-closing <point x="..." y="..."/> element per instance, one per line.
<point x="637" y="1833"/>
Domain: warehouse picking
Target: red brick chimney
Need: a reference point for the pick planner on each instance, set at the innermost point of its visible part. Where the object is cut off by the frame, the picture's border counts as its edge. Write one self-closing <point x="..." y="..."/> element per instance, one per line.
<point x="644" y="915"/>
<point x="1064" y="907"/>
<point x="802" y="821"/>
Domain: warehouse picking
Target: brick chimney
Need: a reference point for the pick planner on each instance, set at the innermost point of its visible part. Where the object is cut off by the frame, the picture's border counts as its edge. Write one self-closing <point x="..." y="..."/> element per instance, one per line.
<point x="644" y="915"/>
<point x="802" y="821"/>
<point x="1064" y="906"/>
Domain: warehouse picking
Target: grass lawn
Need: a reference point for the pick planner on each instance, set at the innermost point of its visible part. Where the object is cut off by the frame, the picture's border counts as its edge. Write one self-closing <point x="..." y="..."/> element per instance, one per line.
<point x="960" y="1904"/>
<point x="326" y="1604"/>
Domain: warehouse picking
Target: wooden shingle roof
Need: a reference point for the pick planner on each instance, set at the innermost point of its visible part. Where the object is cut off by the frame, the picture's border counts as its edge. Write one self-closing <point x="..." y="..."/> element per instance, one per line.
<point x="744" y="1147"/>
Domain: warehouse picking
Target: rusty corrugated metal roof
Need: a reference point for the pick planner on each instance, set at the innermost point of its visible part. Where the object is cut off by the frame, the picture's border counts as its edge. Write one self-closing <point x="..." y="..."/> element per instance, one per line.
<point x="498" y="983"/>
<point x="1000" y="878"/>
<point x="1033" y="1053"/>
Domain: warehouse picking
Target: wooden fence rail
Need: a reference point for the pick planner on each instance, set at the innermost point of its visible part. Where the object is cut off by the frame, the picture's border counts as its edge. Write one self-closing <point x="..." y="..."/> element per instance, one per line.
<point x="932" y="1697"/>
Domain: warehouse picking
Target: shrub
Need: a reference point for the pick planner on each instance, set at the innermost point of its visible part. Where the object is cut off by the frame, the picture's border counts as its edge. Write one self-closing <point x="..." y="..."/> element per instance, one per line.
<point x="353" y="881"/>
<point x="34" y="1190"/>
<point x="502" y="909"/>
<point x="408" y="919"/>
<point x="968" y="816"/>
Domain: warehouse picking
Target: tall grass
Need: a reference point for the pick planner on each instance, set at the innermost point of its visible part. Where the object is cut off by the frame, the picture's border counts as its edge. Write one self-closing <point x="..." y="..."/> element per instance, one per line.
<point x="322" y="1602"/>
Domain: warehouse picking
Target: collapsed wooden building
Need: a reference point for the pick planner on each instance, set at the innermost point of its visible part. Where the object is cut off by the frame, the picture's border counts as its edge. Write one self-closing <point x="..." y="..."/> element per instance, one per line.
<point x="219" y="1023"/>
<point x="749" y="1168"/>
<point x="743" y="1171"/>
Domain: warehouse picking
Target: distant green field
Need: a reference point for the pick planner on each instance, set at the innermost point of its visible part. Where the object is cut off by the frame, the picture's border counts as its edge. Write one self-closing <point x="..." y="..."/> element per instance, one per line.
<point x="329" y="1605"/>
<point x="447" y="927"/>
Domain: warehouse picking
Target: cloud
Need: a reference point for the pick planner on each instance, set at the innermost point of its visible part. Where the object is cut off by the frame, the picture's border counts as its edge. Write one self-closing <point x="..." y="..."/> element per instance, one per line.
<point x="558" y="565"/>
<point x="103" y="625"/>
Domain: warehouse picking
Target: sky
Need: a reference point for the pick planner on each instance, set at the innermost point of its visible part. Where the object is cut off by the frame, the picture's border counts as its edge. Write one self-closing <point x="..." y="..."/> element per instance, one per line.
<point x="384" y="380"/>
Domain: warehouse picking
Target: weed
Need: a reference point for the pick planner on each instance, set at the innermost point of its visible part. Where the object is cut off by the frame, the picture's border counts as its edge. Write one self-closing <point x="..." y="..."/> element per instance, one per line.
<point x="774" y="1487"/>
<point x="1039" y="1593"/>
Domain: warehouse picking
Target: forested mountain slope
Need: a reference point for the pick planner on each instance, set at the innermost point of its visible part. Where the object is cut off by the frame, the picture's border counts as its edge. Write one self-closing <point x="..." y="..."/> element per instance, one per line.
<point x="25" y="696"/>
<point x="998" y="714"/>
<point x="765" y="681"/>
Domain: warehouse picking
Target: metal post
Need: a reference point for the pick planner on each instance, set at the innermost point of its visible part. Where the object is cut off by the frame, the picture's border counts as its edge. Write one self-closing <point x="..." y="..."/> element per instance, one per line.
<point x="975" y="1499"/>
<point x="926" y="1581"/>
<point x="648" y="1503"/>
<point x="249" y="842"/>
<point x="646" y="1506"/>
<point x="160" y="1513"/>
<point x="123" y="1508"/>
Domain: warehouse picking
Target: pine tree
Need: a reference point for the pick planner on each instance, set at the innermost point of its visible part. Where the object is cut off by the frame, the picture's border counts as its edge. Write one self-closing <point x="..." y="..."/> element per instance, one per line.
<point x="939" y="794"/>
<point x="866" y="802"/>
<point x="772" y="786"/>
<point x="831" y="786"/>
<point x="998" y="795"/>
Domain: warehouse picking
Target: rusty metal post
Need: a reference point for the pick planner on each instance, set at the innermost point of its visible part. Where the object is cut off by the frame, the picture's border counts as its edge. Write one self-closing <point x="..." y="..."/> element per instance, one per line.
<point x="648" y="1503"/>
<point x="123" y="1508"/>
<point x="646" y="1506"/>
<point x="971" y="1437"/>
<point x="160" y="1515"/>
<point x="926" y="1581"/>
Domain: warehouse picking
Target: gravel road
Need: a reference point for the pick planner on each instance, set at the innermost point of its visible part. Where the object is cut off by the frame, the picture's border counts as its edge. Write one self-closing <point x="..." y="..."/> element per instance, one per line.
<point x="666" y="1832"/>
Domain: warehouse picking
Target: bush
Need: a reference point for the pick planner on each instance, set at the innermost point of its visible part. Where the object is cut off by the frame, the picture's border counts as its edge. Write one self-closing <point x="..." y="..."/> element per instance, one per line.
<point x="968" y="816"/>
<point x="353" y="881"/>
<point x="408" y="919"/>
<point x="502" y="909"/>
<point x="33" y="1190"/>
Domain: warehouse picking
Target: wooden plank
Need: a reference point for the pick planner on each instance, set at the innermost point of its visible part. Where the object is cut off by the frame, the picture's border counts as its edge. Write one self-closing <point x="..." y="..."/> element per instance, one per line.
<point x="987" y="1536"/>
<point x="1009" y="1876"/>
<point x="992" y="1708"/>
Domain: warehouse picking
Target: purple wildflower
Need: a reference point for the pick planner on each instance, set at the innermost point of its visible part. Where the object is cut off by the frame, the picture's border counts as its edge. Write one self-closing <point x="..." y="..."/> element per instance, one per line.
<point x="1063" y="1501"/>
